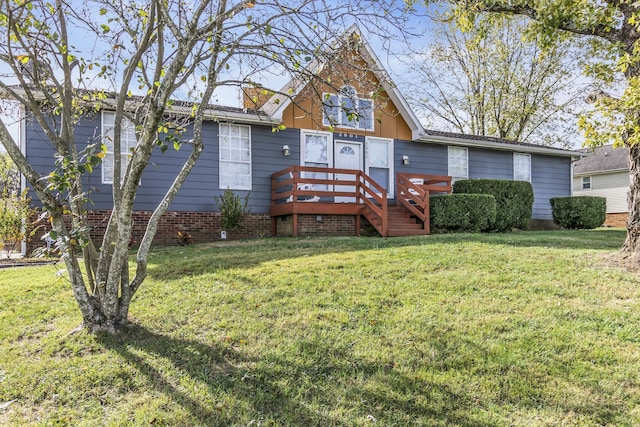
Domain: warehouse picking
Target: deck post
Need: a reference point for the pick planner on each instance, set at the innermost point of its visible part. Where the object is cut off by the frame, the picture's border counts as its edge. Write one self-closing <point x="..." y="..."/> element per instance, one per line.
<point x="295" y="225"/>
<point x="358" y="224"/>
<point x="274" y="226"/>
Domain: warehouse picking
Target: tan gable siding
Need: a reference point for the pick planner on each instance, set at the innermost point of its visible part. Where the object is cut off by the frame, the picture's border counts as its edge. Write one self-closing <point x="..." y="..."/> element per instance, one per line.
<point x="306" y="111"/>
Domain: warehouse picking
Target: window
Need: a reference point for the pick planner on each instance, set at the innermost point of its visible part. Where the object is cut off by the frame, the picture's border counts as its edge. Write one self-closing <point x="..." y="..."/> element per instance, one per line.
<point x="346" y="110"/>
<point x="521" y="167"/>
<point x="379" y="164"/>
<point x="316" y="150"/>
<point x="458" y="163"/>
<point x="127" y="143"/>
<point x="235" y="156"/>
<point x="586" y="183"/>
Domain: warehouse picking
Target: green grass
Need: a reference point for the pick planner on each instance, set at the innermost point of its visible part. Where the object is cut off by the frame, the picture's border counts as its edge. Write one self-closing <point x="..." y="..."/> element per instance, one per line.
<point x="521" y="329"/>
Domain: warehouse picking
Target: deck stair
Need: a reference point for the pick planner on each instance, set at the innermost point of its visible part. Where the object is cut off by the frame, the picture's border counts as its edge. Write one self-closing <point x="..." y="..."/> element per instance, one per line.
<point x="311" y="190"/>
<point x="402" y="223"/>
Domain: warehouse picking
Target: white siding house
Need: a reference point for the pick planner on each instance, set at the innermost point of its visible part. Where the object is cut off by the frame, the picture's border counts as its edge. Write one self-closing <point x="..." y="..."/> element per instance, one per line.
<point x="604" y="172"/>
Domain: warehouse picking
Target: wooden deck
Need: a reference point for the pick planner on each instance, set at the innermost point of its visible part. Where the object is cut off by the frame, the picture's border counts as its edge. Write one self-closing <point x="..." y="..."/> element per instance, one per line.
<point x="305" y="190"/>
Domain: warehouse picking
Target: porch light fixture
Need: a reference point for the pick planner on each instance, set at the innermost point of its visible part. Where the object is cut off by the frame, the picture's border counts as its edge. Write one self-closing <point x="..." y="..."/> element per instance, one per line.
<point x="286" y="151"/>
<point x="405" y="160"/>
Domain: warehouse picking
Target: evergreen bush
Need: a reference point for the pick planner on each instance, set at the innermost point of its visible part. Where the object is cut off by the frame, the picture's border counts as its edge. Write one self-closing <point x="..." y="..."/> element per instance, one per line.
<point x="462" y="212"/>
<point x="514" y="200"/>
<point x="579" y="212"/>
<point x="233" y="210"/>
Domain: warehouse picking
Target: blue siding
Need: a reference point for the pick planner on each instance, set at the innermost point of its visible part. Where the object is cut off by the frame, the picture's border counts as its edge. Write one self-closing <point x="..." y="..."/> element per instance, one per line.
<point x="198" y="191"/>
<point x="550" y="177"/>
<point x="423" y="158"/>
<point x="550" y="174"/>
<point x="490" y="164"/>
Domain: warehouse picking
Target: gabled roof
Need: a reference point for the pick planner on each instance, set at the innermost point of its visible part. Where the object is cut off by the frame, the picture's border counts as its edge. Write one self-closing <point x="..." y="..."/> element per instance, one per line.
<point x="477" y="141"/>
<point x="602" y="160"/>
<point x="275" y="106"/>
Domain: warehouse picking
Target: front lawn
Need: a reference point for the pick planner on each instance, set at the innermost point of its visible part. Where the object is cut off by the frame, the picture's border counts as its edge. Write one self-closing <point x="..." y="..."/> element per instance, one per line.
<point x="519" y="329"/>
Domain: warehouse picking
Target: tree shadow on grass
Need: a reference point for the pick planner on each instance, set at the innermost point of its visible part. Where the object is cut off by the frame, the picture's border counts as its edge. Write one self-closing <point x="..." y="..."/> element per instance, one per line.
<point x="321" y="382"/>
<point x="257" y="384"/>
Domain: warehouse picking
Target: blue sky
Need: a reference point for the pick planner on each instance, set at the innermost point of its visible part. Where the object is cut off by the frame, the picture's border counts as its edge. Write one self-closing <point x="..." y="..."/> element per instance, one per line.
<point x="392" y="53"/>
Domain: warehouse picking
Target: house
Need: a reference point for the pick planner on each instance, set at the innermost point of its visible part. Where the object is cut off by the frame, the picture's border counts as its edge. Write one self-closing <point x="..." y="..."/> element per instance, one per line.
<point x="604" y="172"/>
<point x="333" y="158"/>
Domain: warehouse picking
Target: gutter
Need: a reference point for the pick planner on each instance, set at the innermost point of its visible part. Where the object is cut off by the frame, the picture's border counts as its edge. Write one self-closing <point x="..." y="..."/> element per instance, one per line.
<point x="474" y="143"/>
<point x="601" y="172"/>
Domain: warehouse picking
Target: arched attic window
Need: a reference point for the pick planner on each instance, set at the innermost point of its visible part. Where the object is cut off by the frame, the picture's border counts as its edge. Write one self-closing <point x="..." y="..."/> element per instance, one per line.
<point x="347" y="110"/>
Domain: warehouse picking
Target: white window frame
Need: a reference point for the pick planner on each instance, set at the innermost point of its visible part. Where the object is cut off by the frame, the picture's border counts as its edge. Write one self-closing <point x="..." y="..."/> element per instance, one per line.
<point x="390" y="154"/>
<point x="127" y="143"/>
<point x="303" y="150"/>
<point x="588" y="180"/>
<point x="453" y="153"/>
<point x="342" y="121"/>
<point x="517" y="170"/>
<point x="225" y="185"/>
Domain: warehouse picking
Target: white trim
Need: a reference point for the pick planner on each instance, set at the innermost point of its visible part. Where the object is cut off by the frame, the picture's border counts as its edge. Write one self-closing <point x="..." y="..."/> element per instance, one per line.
<point x="475" y="143"/>
<point x="455" y="147"/>
<point x="582" y="183"/>
<point x="601" y="172"/>
<point x="342" y="115"/>
<point x="125" y="150"/>
<point x="276" y="105"/>
<point x="242" y="162"/>
<point x="527" y="155"/>
<point x="330" y="145"/>
<point x="390" y="160"/>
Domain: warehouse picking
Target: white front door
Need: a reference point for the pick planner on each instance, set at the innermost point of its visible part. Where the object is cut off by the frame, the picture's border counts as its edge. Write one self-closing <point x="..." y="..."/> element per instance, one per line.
<point x="348" y="156"/>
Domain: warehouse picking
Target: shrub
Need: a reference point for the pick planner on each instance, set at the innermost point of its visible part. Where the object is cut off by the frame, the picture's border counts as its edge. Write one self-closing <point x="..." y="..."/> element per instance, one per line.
<point x="514" y="200"/>
<point x="582" y="212"/>
<point x="462" y="212"/>
<point x="233" y="210"/>
<point x="15" y="221"/>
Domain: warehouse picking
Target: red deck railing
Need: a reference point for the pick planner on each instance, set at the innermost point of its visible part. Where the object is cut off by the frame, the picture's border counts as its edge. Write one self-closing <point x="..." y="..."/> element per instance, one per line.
<point x="315" y="190"/>
<point x="413" y="191"/>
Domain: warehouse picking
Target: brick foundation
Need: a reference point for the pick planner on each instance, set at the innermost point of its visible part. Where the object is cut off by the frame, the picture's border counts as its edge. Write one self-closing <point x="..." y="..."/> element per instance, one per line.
<point x="202" y="226"/>
<point x="324" y="225"/>
<point x="616" y="220"/>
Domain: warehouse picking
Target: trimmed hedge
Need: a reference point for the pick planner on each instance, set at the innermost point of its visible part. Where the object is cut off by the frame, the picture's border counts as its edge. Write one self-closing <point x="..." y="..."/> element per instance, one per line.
<point x="514" y="200"/>
<point x="462" y="212"/>
<point x="582" y="212"/>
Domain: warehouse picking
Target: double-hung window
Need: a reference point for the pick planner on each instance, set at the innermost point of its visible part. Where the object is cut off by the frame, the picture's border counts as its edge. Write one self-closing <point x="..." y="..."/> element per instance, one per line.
<point x="458" y="162"/>
<point x="586" y="183"/>
<point x="235" y="156"/>
<point x="127" y="143"/>
<point x="521" y="167"/>
<point x="347" y="110"/>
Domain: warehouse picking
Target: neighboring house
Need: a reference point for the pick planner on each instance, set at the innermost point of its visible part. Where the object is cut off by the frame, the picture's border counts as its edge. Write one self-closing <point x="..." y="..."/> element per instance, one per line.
<point x="326" y="172"/>
<point x="605" y="172"/>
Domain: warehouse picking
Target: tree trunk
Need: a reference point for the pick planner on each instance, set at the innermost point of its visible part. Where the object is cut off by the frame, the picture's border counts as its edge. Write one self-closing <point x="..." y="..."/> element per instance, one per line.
<point x="632" y="242"/>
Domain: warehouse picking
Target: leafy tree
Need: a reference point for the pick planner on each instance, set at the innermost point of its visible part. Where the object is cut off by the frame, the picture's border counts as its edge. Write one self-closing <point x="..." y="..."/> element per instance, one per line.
<point x="70" y="59"/>
<point x="493" y="80"/>
<point x="9" y="176"/>
<point x="612" y="29"/>
<point x="16" y="221"/>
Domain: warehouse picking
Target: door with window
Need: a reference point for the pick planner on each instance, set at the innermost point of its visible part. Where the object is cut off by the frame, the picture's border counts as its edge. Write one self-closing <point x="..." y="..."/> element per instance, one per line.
<point x="379" y="162"/>
<point x="348" y="156"/>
